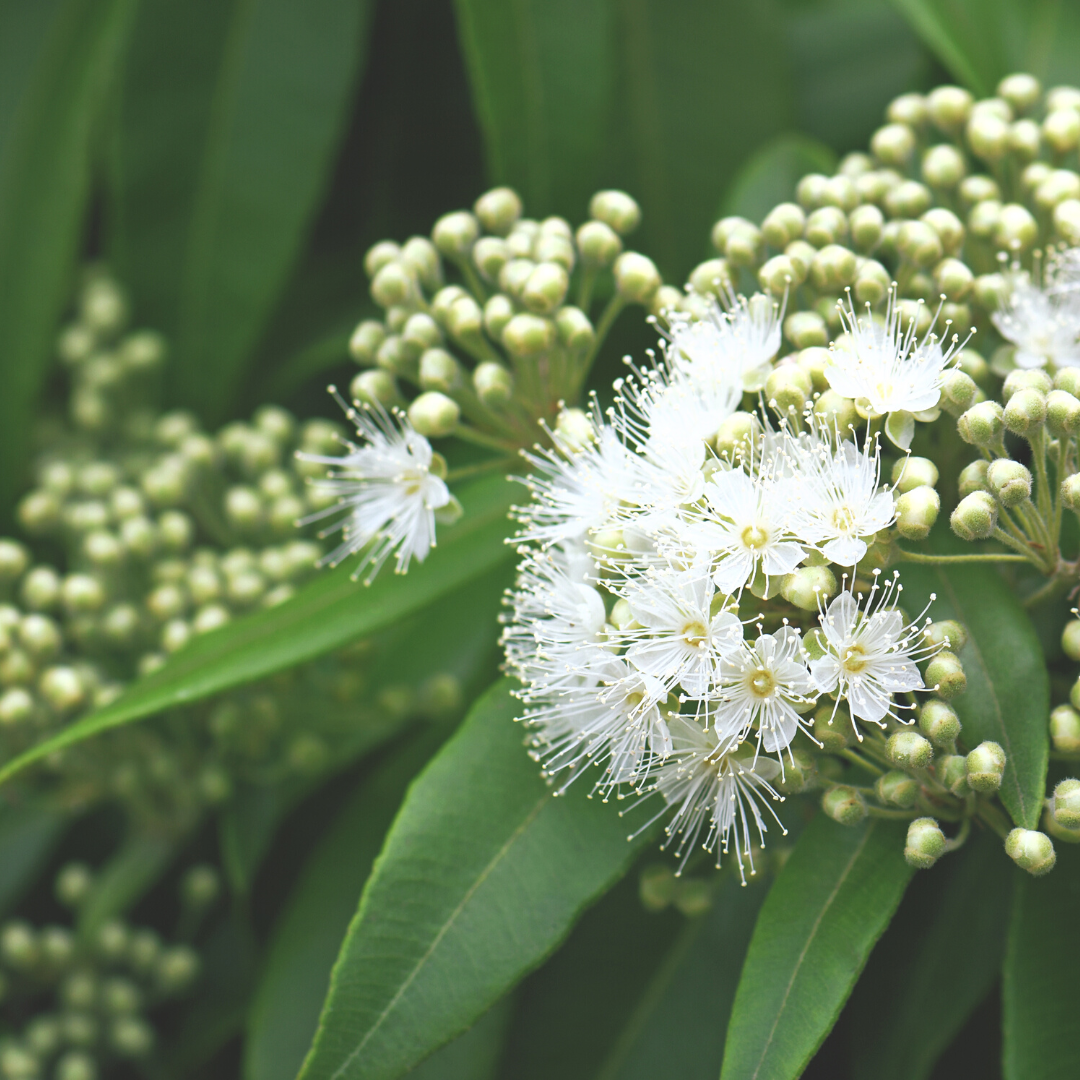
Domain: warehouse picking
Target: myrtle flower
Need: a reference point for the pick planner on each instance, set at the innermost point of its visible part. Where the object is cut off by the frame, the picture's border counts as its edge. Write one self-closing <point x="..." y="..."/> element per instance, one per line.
<point x="389" y="489"/>
<point x="1044" y="325"/>
<point x="869" y="653"/>
<point x="888" y="371"/>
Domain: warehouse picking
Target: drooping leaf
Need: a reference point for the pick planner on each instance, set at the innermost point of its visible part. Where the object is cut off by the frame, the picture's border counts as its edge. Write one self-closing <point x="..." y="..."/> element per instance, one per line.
<point x="58" y="57"/>
<point x="830" y="904"/>
<point x="326" y="614"/>
<point x="771" y="173"/>
<point x="1040" y="995"/>
<point x="229" y="121"/>
<point x="481" y="876"/>
<point x="1008" y="691"/>
<point x="309" y="932"/>
<point x="679" y="1025"/>
<point x="28" y="834"/>
<point x="939" y="958"/>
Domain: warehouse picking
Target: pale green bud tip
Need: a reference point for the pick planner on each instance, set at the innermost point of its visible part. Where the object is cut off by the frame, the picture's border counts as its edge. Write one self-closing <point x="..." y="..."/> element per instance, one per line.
<point x="1026" y="412"/>
<point x="925" y="843"/>
<point x="916" y="512"/>
<point x="498" y="209"/>
<point x="913" y="472"/>
<point x="951" y="770"/>
<point x="1066" y="804"/>
<point x="493" y="383"/>
<point x="528" y="335"/>
<point x="909" y="750"/>
<point x="897" y="789"/>
<point x="1070" y="639"/>
<point x="787" y="389"/>
<point x="844" y="804"/>
<point x="973" y="478"/>
<point x="945" y="675"/>
<point x="1070" y="491"/>
<point x="617" y="209"/>
<point x="1009" y="482"/>
<point x="1065" y="730"/>
<point x="598" y="244"/>
<point x="982" y="424"/>
<point x="975" y="516"/>
<point x="545" y="288"/>
<point x="636" y="277"/>
<point x="947" y="633"/>
<point x="454" y="234"/>
<point x="807" y="586"/>
<point x="939" y="723"/>
<point x="1062" y="414"/>
<point x="574" y="429"/>
<point x="434" y="414"/>
<point x="985" y="767"/>
<point x="1031" y="850"/>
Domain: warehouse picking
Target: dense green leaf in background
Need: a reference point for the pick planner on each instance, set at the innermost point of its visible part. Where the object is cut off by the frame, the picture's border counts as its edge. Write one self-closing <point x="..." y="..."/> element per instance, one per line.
<point x="939" y="958"/>
<point x="830" y="904"/>
<point x="230" y="118"/>
<point x="59" y="59"/>
<point x="328" y="613"/>
<point x="771" y="173"/>
<point x="1041" y="994"/>
<point x="1008" y="693"/>
<point x="481" y="876"/>
<point x="28" y="833"/>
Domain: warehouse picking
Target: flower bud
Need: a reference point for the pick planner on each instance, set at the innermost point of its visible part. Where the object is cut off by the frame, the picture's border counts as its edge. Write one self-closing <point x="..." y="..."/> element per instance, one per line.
<point x="1025" y="412"/>
<point x="925" y="843"/>
<point x="392" y="285"/>
<point x="545" y="288"/>
<point x="805" y="329"/>
<point x="656" y="886"/>
<point x="780" y="274"/>
<point x="787" y="388"/>
<point x="920" y="244"/>
<point x="513" y="275"/>
<point x="375" y="388"/>
<point x="1070" y="639"/>
<point x="953" y="278"/>
<point x="735" y="435"/>
<point x="636" y="277"/>
<point x="176" y="967"/>
<point x="493" y="383"/>
<point x="897" y="789"/>
<point x="799" y="773"/>
<point x="958" y="391"/>
<point x="528" y="335"/>
<point x="440" y="371"/>
<point x="949" y="108"/>
<point x="420" y="256"/>
<point x="1066" y="804"/>
<point x="973" y="478"/>
<point x="454" y="234"/>
<point x="947" y="633"/>
<point x="865" y="224"/>
<point x="498" y="311"/>
<point x="826" y="225"/>
<point x="1016" y="229"/>
<point x="434" y="414"/>
<point x="1070" y="492"/>
<point x="1061" y="130"/>
<point x="378" y="255"/>
<point x="872" y="282"/>
<point x="1060" y="185"/>
<point x="908" y="199"/>
<point x="490" y="255"/>
<point x="1009" y="482"/>
<point x="574" y="429"/>
<point x="893" y="144"/>
<point x="939" y="722"/>
<point x="982" y="424"/>
<point x="498" y="209"/>
<point x="1065" y="730"/>
<point x="909" y="473"/>
<point x="783" y="224"/>
<point x="1031" y="851"/>
<point x="1067" y="221"/>
<point x="975" y="516"/>
<point x="909" y="750"/>
<point x="985" y="767"/>
<point x="833" y="268"/>
<point x="988" y="135"/>
<point x="575" y="331"/>
<point x="951" y="770"/>
<point x="711" y="277"/>
<point x="744" y="245"/>
<point x="16" y="707"/>
<point x="945" y="675"/>
<point x="836" y="412"/>
<point x="73" y="884"/>
<point x="1062" y="414"/>
<point x="810" y="191"/>
<point x="801" y="254"/>
<point x="844" y="804"/>
<point x="916" y="512"/>
<point x="832" y="724"/>
<point x="617" y="209"/>
<point x="807" y="586"/>
<point x="943" y="166"/>
<point x="1021" y="91"/>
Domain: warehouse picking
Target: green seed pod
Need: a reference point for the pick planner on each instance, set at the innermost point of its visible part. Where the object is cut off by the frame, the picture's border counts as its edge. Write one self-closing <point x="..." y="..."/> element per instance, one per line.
<point x="909" y="750"/>
<point x="939" y="723"/>
<point x="1065" y="730"/>
<point x="973" y="478"/>
<point x="943" y="167"/>
<point x="636" y="277"/>
<point x="951" y="771"/>
<point x="805" y="329"/>
<point x="897" y="789"/>
<point x="493" y="383"/>
<point x="893" y="144"/>
<point x="985" y="767"/>
<point x="945" y="675"/>
<point x="807" y="586"/>
<point x="783" y="224"/>
<point x="975" y="516"/>
<point x="1070" y="639"/>
<point x="844" y="805"/>
<point x="982" y="424"/>
<point x="1031" y="851"/>
<point x="916" y="512"/>
<point x="925" y="843"/>
<point x="454" y="235"/>
<point x="498" y="210"/>
<point x="617" y="209"/>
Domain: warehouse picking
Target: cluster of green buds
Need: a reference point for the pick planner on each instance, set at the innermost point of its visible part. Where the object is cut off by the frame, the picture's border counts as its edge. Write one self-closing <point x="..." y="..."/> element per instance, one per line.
<point x="76" y="1000"/>
<point x="514" y="339"/>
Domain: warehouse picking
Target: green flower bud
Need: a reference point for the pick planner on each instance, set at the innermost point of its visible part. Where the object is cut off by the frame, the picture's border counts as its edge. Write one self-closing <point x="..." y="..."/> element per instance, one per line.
<point x="872" y="282"/>
<point x="40" y="636"/>
<point x="939" y="722"/>
<point x="1060" y="185"/>
<point x="176" y="968"/>
<point x="844" y="804"/>
<point x="982" y="424"/>
<point x="735" y="435"/>
<point x="498" y="311"/>
<point x="76" y="1065"/>
<point x="909" y="473"/>
<point x="1070" y="639"/>
<point x="836" y="412"/>
<point x="951" y="771"/>
<point x="1009" y="482"/>
<point x="1070" y="492"/>
<point x="375" y="388"/>
<point x="1065" y="730"/>
<point x="493" y="383"/>
<point x="454" y="235"/>
<point x="833" y="727"/>
<point x="805" y="329"/>
<point x="528" y="335"/>
<point x="1033" y="175"/>
<point x="656" y="886"/>
<point x="1062" y="97"/>
<point x="243" y="509"/>
<point x="916" y="512"/>
<point x="897" y="789"/>
<point x="948" y="633"/>
<point x="953" y="278"/>
<point x="949" y="108"/>
<point x="598" y="244"/>
<point x="711" y="277"/>
<point x="780" y="274"/>
<point x="909" y="199"/>
<point x="200" y="887"/>
<point x="783" y="224"/>
<point x="175" y="634"/>
<point x="975" y="516"/>
<point x="498" y="210"/>
<point x="1025" y="412"/>
<point x="945" y="675"/>
<point x="39" y="512"/>
<point x="908" y="109"/>
<point x="920" y="244"/>
<point x="1062" y="414"/>
<point x="925" y="843"/>
<point x="787" y="388"/>
<point x="1067" y="220"/>
<point x="617" y="209"/>
<point x="985" y="767"/>
<point x="1016" y="229"/>
<point x="465" y="321"/>
<point x="575" y="331"/>
<point x="379" y="255"/>
<point x="62" y="688"/>
<point x="866" y="223"/>
<point x="988" y="135"/>
<point x="948" y="227"/>
<point x="365" y="341"/>
<point x="19" y="945"/>
<point x="943" y="166"/>
<point x="958" y="391"/>
<point x="973" y="478"/>
<point x="1066" y="804"/>
<point x="422" y="259"/>
<point x="131" y="1036"/>
<point x="827" y="225"/>
<point x="893" y="144"/>
<point x="545" y="288"/>
<point x="16" y="707"/>
<point x="440" y="371"/>
<point x="983" y="218"/>
<point x="1061" y="130"/>
<point x="1031" y="851"/>
<point x="810" y="191"/>
<point x="208" y="618"/>
<point x="909" y="750"/>
<point x="636" y="278"/>
<point x="490" y="255"/>
<point x="575" y="429"/>
<point x="805" y="586"/>
<point x="840" y="191"/>
<point x="393" y="286"/>
<point x="1020" y="91"/>
<point x="833" y="268"/>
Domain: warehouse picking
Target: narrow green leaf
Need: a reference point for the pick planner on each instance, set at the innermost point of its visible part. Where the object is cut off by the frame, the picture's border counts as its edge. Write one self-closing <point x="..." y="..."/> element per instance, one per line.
<point x="230" y="117"/>
<point x="308" y="935"/>
<point x="28" y="833"/>
<point x="326" y="614"/>
<point x="938" y="960"/>
<point x="481" y="876"/>
<point x="1008" y="690"/>
<point x="830" y="904"/>
<point x="139" y="863"/>
<point x="679" y="1025"/>
<point x="58" y="60"/>
<point x="771" y="173"/>
<point x="474" y="1055"/>
<point x="1040" y="991"/>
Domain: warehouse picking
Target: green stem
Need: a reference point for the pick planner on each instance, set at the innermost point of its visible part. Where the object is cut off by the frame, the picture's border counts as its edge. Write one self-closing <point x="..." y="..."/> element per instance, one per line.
<point x="464" y="472"/>
<point x="960" y="838"/>
<point x="472" y="280"/>
<point x="585" y="288"/>
<point x="858" y="759"/>
<point x="944" y="560"/>
<point x="894" y="815"/>
<point x="993" y="817"/>
<point x="479" y="438"/>
<point x="1003" y="537"/>
<point x="607" y="319"/>
<point x="1051" y="589"/>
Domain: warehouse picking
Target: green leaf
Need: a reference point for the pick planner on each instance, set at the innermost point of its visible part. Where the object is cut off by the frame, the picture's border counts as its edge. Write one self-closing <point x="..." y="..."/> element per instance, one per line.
<point x="830" y="904"/>
<point x="679" y="1025"/>
<point x="1008" y="689"/>
<point x="230" y="116"/>
<point x="938" y="960"/>
<point x="28" y="833"/>
<point x="58" y="58"/>
<point x="770" y="175"/>
<point x="328" y="613"/>
<point x="139" y="863"/>
<point x="474" y="1055"/>
<point x="308" y="935"/>
<point x="1040" y="991"/>
<point x="482" y="875"/>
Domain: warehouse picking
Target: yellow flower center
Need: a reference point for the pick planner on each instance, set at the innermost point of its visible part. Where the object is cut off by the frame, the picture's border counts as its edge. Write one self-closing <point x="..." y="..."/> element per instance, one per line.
<point x="754" y="537"/>
<point x="762" y="684"/>
<point x="843" y="519"/>
<point x="854" y="659"/>
<point x="695" y="634"/>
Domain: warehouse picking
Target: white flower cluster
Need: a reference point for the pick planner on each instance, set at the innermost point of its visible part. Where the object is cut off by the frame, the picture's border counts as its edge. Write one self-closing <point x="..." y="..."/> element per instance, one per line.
<point x="637" y="548"/>
<point x="1044" y="323"/>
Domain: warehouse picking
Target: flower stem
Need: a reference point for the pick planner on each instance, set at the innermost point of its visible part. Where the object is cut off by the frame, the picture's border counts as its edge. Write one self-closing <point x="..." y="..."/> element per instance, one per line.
<point x="944" y="560"/>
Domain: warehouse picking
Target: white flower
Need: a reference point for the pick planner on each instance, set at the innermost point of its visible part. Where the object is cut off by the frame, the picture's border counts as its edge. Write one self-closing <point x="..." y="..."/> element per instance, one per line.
<point x="869" y="655"/>
<point x="714" y="792"/>
<point x="763" y="686"/>
<point x="680" y="641"/>
<point x="1044" y="326"/>
<point x="887" y="370"/>
<point x="388" y="493"/>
